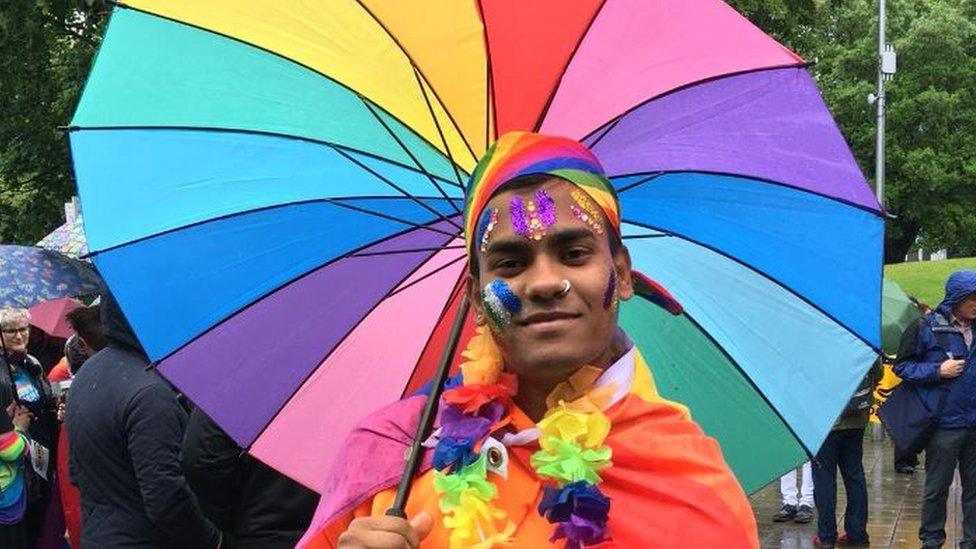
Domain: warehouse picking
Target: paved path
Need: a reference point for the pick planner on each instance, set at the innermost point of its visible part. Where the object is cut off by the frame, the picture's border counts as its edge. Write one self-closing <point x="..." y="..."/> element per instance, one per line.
<point x="895" y="505"/>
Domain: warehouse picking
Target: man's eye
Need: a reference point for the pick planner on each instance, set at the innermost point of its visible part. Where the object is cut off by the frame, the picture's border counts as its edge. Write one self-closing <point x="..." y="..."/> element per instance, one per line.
<point x="575" y="254"/>
<point x="508" y="264"/>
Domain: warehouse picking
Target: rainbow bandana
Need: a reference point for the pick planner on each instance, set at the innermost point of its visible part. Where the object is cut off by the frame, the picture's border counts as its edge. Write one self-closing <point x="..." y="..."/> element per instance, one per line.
<point x="518" y="154"/>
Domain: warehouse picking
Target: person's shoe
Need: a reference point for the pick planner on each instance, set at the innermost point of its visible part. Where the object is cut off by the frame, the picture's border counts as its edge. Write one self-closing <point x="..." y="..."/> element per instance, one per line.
<point x="804" y="514"/>
<point x="785" y="514"/>
<point x="824" y="544"/>
<point x="844" y="540"/>
<point x="905" y="469"/>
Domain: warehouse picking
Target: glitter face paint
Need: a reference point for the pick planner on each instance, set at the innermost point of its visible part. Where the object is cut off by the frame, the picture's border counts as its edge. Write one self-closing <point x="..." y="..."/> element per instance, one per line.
<point x="531" y="219"/>
<point x="500" y="303"/>
<point x="488" y="221"/>
<point x="586" y="211"/>
<point x="610" y="294"/>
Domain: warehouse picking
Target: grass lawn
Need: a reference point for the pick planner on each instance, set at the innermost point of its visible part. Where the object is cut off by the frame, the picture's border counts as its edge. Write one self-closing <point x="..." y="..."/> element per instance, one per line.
<point x="926" y="279"/>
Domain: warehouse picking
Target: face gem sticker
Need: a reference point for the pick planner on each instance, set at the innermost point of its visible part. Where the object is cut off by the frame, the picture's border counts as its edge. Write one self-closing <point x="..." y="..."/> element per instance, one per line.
<point x="500" y="302"/>
<point x="531" y="219"/>
<point x="585" y="211"/>
<point x="487" y="224"/>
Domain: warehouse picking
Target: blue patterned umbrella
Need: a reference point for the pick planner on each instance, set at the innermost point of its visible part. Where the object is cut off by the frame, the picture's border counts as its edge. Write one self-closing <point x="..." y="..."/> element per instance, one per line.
<point x="31" y="275"/>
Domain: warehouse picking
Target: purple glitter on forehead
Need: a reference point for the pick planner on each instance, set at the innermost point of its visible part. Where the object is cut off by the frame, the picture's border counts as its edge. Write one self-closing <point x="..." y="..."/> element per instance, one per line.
<point x="546" y="207"/>
<point x="520" y="219"/>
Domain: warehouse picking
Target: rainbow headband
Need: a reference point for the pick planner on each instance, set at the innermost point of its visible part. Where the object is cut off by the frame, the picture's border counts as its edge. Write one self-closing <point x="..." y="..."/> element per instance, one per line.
<point x="518" y="154"/>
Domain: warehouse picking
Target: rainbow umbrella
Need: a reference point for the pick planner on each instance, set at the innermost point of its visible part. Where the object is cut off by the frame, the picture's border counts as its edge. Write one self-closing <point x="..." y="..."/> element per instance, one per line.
<point x="272" y="190"/>
<point x="68" y="239"/>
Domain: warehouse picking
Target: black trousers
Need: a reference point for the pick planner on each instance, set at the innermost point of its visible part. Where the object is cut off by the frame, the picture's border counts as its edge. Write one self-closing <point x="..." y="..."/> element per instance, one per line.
<point x="14" y="536"/>
<point x="947" y="449"/>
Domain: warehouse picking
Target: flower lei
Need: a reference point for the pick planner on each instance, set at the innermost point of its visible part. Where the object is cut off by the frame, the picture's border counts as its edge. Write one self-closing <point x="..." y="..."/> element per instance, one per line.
<point x="571" y="437"/>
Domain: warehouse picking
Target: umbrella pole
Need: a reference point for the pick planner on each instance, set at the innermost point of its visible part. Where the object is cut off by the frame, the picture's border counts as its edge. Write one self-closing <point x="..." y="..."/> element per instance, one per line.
<point x="429" y="413"/>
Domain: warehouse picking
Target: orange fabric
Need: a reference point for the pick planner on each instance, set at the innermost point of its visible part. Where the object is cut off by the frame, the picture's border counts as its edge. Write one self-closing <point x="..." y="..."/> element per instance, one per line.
<point x="60" y="371"/>
<point x="669" y="485"/>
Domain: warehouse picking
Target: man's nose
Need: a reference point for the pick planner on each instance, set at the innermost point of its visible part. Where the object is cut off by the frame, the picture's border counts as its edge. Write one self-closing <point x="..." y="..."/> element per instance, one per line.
<point x="545" y="281"/>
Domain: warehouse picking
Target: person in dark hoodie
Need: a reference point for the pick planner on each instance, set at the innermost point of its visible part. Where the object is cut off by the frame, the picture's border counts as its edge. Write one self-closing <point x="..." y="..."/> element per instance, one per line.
<point x="125" y="430"/>
<point x="936" y="355"/>
<point x="255" y="506"/>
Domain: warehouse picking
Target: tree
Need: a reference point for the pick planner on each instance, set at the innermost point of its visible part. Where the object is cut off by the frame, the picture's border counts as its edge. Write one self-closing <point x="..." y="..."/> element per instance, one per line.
<point x="46" y="47"/>
<point x="931" y="106"/>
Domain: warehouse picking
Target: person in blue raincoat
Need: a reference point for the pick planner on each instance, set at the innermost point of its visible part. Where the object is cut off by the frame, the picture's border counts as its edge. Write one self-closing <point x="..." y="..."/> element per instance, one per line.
<point x="936" y="354"/>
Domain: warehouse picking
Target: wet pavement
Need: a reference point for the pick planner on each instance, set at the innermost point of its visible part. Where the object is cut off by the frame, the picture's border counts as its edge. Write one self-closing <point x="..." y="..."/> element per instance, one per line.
<point x="895" y="506"/>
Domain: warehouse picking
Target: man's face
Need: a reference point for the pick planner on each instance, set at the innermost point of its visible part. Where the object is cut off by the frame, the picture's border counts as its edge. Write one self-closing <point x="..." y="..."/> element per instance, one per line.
<point x="15" y="336"/>
<point x="536" y="244"/>
<point x="965" y="310"/>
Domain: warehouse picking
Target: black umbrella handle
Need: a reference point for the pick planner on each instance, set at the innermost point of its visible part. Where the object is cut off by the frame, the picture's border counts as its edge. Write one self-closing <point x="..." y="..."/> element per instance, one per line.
<point x="429" y="413"/>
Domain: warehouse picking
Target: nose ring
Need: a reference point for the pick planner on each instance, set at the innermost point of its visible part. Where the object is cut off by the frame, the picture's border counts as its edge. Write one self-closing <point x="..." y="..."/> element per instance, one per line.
<point x="566" y="287"/>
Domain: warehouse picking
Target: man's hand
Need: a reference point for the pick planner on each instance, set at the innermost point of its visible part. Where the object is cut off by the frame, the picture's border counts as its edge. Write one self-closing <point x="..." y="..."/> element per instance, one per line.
<point x="951" y="368"/>
<point x="387" y="532"/>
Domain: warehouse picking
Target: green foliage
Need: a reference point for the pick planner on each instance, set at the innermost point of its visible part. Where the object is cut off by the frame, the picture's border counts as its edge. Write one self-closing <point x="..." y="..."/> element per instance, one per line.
<point x="46" y="48"/>
<point x="931" y="103"/>
<point x="926" y="279"/>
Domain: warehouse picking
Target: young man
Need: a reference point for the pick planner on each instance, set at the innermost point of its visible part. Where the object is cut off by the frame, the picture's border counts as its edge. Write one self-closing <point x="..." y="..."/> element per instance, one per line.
<point x="554" y="431"/>
<point x="936" y="354"/>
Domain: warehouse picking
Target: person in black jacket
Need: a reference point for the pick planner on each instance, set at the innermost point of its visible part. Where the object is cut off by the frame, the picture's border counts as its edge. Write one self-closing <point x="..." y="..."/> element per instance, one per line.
<point x="125" y="430"/>
<point x="255" y="506"/>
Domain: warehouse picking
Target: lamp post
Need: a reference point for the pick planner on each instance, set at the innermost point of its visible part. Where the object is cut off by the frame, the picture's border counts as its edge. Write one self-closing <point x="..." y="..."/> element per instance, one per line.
<point x="887" y="65"/>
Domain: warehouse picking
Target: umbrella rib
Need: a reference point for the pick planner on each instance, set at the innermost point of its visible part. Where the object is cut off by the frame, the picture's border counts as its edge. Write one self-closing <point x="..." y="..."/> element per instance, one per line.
<point x="433" y="116"/>
<point x="749" y="379"/>
<point x="290" y="281"/>
<point x="406" y="251"/>
<point x="569" y="61"/>
<point x="616" y="119"/>
<point x="754" y="178"/>
<point x="410" y="154"/>
<point x="630" y="186"/>
<point x="417" y="70"/>
<point x="426" y="276"/>
<point x="266" y="133"/>
<point x="441" y="216"/>
<point x="761" y="273"/>
<point x="122" y="5"/>
<point x="334" y="201"/>
<point x="328" y="353"/>
<point x="491" y="114"/>
<point x="440" y="318"/>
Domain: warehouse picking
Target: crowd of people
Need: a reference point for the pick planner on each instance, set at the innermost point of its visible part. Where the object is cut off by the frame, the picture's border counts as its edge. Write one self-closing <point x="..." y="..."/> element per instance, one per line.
<point x="152" y="470"/>
<point x="552" y="429"/>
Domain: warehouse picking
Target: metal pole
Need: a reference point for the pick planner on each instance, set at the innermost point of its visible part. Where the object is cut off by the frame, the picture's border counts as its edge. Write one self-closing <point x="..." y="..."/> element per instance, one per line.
<point x="879" y="168"/>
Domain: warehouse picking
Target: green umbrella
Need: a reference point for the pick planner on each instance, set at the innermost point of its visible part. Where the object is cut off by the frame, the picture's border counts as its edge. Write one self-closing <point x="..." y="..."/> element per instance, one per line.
<point x="897" y="312"/>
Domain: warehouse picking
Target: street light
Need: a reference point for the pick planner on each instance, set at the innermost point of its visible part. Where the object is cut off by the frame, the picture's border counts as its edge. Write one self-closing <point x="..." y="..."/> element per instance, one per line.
<point x="887" y="65"/>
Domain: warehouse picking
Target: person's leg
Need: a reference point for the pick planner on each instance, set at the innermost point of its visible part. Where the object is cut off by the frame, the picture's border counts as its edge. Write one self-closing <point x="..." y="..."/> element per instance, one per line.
<point x="806" y="486"/>
<point x="824" y="473"/>
<point x="851" y="452"/>
<point x="941" y="456"/>
<point x="967" y="477"/>
<point x="787" y="488"/>
<point x="905" y="462"/>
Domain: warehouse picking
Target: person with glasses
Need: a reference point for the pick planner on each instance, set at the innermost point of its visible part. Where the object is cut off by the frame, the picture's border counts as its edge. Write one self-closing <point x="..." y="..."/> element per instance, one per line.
<point x="24" y="391"/>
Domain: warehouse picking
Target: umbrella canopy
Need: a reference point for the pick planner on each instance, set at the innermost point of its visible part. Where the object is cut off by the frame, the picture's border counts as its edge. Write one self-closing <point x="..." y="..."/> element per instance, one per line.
<point x="31" y="275"/>
<point x="283" y="181"/>
<point x="50" y="316"/>
<point x="68" y="239"/>
<point x="897" y="313"/>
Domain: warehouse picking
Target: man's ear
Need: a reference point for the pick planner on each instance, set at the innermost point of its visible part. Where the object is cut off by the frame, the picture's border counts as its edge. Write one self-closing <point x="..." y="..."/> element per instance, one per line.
<point x="625" y="280"/>
<point x="474" y="297"/>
